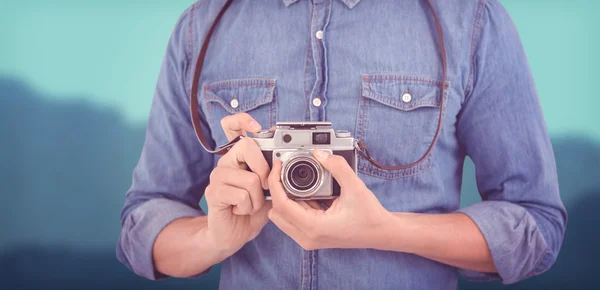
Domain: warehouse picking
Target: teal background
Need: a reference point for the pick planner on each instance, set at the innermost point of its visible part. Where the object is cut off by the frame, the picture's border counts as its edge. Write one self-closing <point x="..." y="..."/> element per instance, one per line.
<point x="76" y="84"/>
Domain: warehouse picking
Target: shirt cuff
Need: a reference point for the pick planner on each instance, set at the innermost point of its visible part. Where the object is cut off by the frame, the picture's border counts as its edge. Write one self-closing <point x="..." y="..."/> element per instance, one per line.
<point x="140" y="229"/>
<point x="517" y="245"/>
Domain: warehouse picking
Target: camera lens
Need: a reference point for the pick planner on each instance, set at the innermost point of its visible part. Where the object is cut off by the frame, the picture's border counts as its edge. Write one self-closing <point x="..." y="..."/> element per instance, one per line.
<point x="302" y="175"/>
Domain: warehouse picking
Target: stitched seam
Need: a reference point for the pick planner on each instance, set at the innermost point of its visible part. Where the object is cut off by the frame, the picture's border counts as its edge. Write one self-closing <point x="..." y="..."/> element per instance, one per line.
<point x="271" y="112"/>
<point x="241" y="82"/>
<point x="236" y="86"/>
<point x="243" y="108"/>
<point x="188" y="52"/>
<point x="361" y="128"/>
<point x="402" y="106"/>
<point x="369" y="169"/>
<point x="535" y="270"/>
<point x="377" y="78"/>
<point x="318" y="52"/>
<point x="475" y="38"/>
<point x="404" y="80"/>
<point x="306" y="96"/>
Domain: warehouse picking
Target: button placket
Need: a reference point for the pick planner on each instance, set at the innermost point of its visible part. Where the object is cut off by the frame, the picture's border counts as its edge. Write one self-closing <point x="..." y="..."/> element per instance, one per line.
<point x="320" y="15"/>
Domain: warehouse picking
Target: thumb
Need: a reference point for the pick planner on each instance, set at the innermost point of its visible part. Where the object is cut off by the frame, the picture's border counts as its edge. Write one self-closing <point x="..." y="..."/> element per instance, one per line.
<point x="339" y="169"/>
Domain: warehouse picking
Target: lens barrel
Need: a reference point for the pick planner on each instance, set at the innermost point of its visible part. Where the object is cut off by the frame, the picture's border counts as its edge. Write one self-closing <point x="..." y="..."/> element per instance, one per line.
<point x="302" y="176"/>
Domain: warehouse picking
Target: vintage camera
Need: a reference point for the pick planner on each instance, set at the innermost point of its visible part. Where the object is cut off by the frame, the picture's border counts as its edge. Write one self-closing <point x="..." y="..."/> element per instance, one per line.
<point x="302" y="175"/>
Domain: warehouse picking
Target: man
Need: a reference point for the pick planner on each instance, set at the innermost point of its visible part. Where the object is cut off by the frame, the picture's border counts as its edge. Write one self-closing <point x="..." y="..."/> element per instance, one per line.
<point x="373" y="68"/>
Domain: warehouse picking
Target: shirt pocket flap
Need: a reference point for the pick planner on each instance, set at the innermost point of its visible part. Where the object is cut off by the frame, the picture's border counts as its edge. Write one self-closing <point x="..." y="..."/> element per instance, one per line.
<point x="403" y="92"/>
<point x="240" y="95"/>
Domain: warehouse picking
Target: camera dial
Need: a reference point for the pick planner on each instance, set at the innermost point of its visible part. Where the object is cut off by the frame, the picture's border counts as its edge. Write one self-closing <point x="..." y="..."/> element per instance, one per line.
<point x="264" y="134"/>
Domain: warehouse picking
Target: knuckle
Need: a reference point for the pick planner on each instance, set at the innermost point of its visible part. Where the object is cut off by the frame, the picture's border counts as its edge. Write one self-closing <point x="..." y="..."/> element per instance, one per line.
<point x="242" y="116"/>
<point x="221" y="160"/>
<point x="244" y="143"/>
<point x="210" y="192"/>
<point x="253" y="180"/>
<point x="244" y="201"/>
<point x="225" y="121"/>
<point x="215" y="174"/>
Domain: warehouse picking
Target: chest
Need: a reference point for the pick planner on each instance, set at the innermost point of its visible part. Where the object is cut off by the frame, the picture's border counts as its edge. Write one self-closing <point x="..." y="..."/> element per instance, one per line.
<point x="374" y="71"/>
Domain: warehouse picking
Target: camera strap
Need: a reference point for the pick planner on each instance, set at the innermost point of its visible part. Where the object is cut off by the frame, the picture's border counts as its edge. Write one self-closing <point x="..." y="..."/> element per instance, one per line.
<point x="362" y="149"/>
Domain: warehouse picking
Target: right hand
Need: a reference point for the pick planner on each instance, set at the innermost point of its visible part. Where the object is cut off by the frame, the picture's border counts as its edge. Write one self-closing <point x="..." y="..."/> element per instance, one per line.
<point x="237" y="209"/>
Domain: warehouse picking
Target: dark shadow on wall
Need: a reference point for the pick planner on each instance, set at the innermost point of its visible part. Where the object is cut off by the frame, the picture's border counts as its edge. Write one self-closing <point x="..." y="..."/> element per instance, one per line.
<point x="65" y="166"/>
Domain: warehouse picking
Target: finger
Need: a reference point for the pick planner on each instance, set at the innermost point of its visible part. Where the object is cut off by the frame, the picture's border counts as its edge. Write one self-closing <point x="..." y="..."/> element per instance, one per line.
<point x="260" y="218"/>
<point x="238" y="124"/>
<point x="278" y="194"/>
<point x="339" y="169"/>
<point x="243" y="179"/>
<point x="223" y="197"/>
<point x="247" y="153"/>
<point x="315" y="205"/>
<point x="305" y="205"/>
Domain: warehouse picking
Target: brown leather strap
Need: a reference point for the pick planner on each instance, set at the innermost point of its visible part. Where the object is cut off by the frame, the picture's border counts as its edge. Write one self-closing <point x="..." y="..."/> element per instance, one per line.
<point x="194" y="111"/>
<point x="361" y="147"/>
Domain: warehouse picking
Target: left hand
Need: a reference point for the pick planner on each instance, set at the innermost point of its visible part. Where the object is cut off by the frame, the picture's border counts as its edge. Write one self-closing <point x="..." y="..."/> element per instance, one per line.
<point x="352" y="220"/>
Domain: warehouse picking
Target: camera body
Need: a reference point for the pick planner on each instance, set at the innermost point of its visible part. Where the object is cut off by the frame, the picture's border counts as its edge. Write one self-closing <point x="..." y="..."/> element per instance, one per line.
<point x="302" y="175"/>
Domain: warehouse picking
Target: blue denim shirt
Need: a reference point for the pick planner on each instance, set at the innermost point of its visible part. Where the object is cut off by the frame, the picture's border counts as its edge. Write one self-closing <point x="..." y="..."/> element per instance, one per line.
<point x="266" y="54"/>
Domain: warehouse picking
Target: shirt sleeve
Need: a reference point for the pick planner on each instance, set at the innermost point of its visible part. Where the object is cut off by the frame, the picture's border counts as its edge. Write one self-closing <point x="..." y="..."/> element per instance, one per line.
<point x="501" y="128"/>
<point x="173" y="169"/>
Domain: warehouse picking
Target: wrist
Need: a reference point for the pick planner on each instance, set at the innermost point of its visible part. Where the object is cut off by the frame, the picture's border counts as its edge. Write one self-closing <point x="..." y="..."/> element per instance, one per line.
<point x="220" y="249"/>
<point x="377" y="235"/>
<point x="216" y="250"/>
<point x="395" y="234"/>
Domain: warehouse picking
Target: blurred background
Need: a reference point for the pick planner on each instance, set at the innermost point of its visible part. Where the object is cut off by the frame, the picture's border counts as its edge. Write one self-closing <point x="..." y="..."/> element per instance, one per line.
<point x="76" y="84"/>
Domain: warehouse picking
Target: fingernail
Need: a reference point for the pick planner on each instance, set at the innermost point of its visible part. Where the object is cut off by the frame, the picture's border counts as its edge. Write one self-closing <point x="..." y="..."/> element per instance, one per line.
<point x="322" y="154"/>
<point x="255" y="126"/>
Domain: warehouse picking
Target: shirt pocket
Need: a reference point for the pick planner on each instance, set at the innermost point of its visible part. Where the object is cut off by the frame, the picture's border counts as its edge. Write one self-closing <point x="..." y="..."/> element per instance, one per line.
<point x="253" y="96"/>
<point x="397" y="121"/>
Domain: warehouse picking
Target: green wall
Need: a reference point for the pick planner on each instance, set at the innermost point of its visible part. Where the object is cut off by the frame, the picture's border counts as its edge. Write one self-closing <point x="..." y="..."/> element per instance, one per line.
<point x="109" y="52"/>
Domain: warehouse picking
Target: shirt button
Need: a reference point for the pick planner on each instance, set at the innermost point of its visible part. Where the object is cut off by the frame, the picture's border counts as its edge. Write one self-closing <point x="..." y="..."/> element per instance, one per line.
<point x="316" y="102"/>
<point x="406" y="97"/>
<point x="319" y="34"/>
<point x="234" y="103"/>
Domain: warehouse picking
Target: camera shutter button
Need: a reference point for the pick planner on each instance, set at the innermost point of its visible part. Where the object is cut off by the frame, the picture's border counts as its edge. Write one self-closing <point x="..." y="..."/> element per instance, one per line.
<point x="264" y="134"/>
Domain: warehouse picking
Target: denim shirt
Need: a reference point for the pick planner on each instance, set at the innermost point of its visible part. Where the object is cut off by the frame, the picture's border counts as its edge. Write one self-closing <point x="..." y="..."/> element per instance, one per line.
<point x="358" y="59"/>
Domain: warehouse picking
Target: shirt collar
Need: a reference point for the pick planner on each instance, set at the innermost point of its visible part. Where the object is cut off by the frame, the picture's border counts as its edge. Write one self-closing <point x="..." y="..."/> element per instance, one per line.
<point x="349" y="3"/>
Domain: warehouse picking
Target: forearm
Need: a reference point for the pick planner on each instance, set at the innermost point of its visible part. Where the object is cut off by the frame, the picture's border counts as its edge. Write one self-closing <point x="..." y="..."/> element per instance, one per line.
<point x="183" y="249"/>
<point x="452" y="239"/>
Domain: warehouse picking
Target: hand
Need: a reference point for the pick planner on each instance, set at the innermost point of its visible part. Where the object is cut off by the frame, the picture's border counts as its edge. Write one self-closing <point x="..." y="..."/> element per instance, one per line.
<point x="350" y="222"/>
<point x="237" y="210"/>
